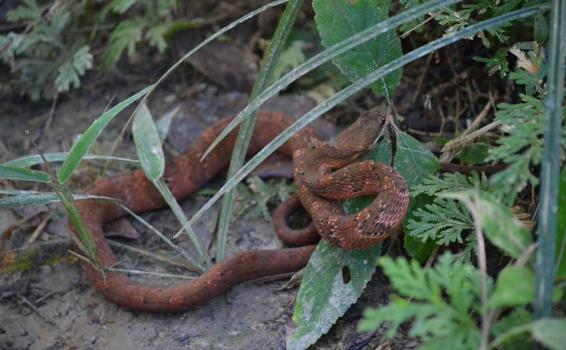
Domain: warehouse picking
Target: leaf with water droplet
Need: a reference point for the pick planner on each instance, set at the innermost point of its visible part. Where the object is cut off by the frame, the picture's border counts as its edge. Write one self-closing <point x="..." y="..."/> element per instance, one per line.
<point x="148" y="144"/>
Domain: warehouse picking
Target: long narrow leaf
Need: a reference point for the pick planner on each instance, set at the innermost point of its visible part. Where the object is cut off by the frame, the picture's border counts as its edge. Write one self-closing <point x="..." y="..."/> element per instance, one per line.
<point x="327" y="55"/>
<point x="36" y="159"/>
<point x="551" y="161"/>
<point x="148" y="144"/>
<point x="186" y="227"/>
<point x="39" y="198"/>
<point x="82" y="146"/>
<point x="246" y="131"/>
<point x="158" y="233"/>
<point x="359" y="85"/>
<point x="22" y="174"/>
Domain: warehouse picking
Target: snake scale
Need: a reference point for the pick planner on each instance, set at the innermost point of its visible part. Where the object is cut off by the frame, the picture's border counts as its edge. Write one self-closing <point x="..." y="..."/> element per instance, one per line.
<point x="325" y="173"/>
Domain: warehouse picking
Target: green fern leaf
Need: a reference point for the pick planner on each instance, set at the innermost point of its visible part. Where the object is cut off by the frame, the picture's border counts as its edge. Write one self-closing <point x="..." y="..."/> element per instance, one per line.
<point x="69" y="73"/>
<point x="28" y="11"/>
<point x="156" y="36"/>
<point x="442" y="303"/>
<point x="124" y="37"/>
<point x="443" y="221"/>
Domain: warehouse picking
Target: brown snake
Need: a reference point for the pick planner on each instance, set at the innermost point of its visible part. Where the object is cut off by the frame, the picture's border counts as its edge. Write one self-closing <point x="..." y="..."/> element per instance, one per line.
<point x="325" y="173"/>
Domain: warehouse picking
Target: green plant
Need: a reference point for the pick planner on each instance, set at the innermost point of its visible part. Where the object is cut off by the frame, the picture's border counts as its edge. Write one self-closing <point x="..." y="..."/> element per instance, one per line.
<point x="444" y="221"/>
<point x="146" y="20"/>
<point x="53" y="53"/>
<point x="45" y="58"/>
<point x="254" y="199"/>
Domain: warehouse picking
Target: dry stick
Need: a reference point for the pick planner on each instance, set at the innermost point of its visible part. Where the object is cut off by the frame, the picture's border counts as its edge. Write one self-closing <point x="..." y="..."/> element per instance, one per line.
<point x="150" y="255"/>
<point x="456" y="80"/>
<point x="22" y="221"/>
<point x="482" y="260"/>
<point x="151" y="273"/>
<point x="420" y="81"/>
<point x="47" y="127"/>
<point x="50" y="294"/>
<point x="479" y="119"/>
<point x="451" y="148"/>
<point x="39" y="229"/>
<point x="432" y="257"/>
<point x="36" y="310"/>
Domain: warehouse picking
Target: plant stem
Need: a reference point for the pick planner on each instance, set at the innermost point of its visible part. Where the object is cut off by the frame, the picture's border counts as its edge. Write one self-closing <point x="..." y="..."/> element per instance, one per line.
<point x="550" y="162"/>
<point x="482" y="261"/>
<point x="246" y="130"/>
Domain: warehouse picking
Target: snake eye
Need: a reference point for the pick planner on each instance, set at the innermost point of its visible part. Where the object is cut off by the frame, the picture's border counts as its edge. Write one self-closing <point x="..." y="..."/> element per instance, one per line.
<point x="302" y="173"/>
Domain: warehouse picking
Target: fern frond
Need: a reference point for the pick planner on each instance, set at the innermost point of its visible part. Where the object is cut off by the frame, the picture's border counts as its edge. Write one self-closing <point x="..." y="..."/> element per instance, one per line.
<point x="443" y="221"/>
<point x="442" y="303"/>
<point x="124" y="37"/>
<point x="69" y="73"/>
<point x="450" y="182"/>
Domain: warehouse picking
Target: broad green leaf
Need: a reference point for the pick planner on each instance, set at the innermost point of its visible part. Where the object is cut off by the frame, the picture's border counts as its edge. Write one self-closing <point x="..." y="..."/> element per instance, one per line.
<point x="333" y="280"/>
<point x="515" y="286"/>
<point x="35" y="159"/>
<point x="337" y="20"/>
<point x="81" y="147"/>
<point x="475" y="153"/>
<point x="497" y="221"/>
<point x="551" y="332"/>
<point x="502" y="228"/>
<point x="22" y="174"/>
<point x="561" y="228"/>
<point x="504" y="329"/>
<point x="148" y="144"/>
<point x="414" y="161"/>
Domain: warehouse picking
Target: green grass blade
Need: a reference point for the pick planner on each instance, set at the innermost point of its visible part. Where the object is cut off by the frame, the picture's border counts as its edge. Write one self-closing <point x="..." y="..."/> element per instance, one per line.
<point x="35" y="159"/>
<point x="178" y="249"/>
<point x="39" y="198"/>
<point x="186" y="227"/>
<point x="23" y="174"/>
<point x="148" y="144"/>
<point x="242" y="143"/>
<point x="550" y="171"/>
<point x="82" y="146"/>
<point x="84" y="241"/>
<point x="359" y="85"/>
<point x="327" y="55"/>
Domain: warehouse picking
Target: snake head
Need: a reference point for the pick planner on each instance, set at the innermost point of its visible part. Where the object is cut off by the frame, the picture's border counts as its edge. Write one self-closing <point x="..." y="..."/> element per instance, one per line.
<point x="365" y="131"/>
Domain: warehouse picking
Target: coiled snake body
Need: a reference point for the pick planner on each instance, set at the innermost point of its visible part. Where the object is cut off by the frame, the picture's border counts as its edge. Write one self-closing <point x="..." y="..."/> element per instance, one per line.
<point x="325" y="173"/>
